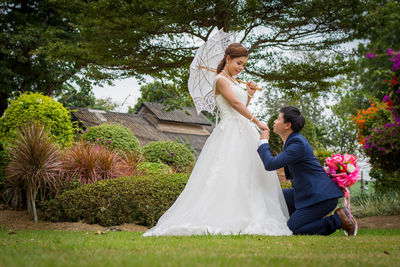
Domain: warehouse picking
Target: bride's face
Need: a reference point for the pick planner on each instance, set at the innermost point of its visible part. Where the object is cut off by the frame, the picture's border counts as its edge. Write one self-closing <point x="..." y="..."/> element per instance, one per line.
<point x="236" y="65"/>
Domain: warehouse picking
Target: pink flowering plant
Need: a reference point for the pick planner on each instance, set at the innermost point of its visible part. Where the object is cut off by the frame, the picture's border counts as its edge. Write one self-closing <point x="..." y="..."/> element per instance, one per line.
<point x="343" y="170"/>
<point x="382" y="145"/>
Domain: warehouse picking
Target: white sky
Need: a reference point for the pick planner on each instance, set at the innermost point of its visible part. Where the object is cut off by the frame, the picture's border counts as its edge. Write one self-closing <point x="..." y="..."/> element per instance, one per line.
<point x="124" y="91"/>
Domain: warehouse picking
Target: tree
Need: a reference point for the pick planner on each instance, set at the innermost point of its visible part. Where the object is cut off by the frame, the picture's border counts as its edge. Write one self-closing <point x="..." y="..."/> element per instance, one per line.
<point x="159" y="92"/>
<point x="48" y="43"/>
<point x="40" y="50"/>
<point x="381" y="22"/>
<point x="34" y="163"/>
<point x="156" y="38"/>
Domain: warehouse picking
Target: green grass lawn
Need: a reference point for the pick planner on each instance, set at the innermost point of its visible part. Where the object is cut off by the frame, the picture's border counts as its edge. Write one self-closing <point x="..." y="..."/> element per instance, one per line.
<point x="377" y="247"/>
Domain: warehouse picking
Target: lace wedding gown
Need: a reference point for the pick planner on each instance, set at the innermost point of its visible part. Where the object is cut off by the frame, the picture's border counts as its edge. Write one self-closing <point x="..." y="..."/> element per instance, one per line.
<point x="229" y="192"/>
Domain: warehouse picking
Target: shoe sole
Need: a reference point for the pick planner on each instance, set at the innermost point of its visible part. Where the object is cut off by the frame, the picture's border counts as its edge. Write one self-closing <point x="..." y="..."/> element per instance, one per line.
<point x="353" y="220"/>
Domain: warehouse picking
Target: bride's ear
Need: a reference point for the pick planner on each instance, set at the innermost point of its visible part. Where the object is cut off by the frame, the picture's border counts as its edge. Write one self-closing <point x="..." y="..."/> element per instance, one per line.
<point x="228" y="59"/>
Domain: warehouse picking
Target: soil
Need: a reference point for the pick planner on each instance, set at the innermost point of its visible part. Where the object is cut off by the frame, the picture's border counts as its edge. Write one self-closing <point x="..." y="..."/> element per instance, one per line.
<point x="20" y="220"/>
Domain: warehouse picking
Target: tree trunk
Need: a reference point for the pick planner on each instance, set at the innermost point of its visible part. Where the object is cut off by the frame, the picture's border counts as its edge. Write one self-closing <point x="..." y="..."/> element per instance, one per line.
<point x="35" y="217"/>
<point x="31" y="203"/>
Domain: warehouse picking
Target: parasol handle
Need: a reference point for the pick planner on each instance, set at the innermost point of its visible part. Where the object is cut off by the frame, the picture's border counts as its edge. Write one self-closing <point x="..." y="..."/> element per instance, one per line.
<point x="258" y="88"/>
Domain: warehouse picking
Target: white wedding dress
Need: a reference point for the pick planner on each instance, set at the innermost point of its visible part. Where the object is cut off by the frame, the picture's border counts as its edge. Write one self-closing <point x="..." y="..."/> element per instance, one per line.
<point x="229" y="192"/>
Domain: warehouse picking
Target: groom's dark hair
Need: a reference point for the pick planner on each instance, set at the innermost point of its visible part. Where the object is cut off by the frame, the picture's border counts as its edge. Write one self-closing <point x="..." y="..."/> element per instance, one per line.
<point x="293" y="115"/>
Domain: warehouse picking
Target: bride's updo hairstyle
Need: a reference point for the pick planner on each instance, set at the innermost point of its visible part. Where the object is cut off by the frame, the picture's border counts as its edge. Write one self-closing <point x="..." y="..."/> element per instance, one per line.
<point x="233" y="50"/>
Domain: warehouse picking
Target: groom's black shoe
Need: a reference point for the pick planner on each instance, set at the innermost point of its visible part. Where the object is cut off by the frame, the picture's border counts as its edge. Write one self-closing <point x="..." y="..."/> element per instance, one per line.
<point x="347" y="224"/>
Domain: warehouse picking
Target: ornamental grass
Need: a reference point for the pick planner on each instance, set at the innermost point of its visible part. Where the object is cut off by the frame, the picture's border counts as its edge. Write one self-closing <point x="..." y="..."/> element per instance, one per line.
<point x="34" y="163"/>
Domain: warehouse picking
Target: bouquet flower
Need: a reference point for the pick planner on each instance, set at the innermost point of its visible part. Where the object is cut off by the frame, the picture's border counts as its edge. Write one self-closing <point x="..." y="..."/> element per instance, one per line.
<point x="343" y="170"/>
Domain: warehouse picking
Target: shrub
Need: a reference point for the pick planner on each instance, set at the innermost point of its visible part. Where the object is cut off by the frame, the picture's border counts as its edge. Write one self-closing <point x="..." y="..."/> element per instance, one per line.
<point x="3" y="162"/>
<point x="130" y="161"/>
<point x="114" y="136"/>
<point x="138" y="199"/>
<point x="322" y="154"/>
<point x="382" y="145"/>
<point x="386" y="204"/>
<point x="171" y="153"/>
<point x="89" y="163"/>
<point x="154" y="168"/>
<point x="44" y="109"/>
<point x="34" y="163"/>
<point x="376" y="115"/>
<point x="385" y="181"/>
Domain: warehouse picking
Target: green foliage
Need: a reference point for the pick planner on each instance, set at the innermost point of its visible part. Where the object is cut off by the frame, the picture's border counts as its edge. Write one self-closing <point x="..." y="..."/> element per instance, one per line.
<point x="114" y="136"/>
<point x="154" y="168"/>
<point x="385" y="181"/>
<point x="275" y="142"/>
<point x="139" y="199"/>
<point x="167" y="94"/>
<point x="381" y="204"/>
<point x="3" y="162"/>
<point x="44" y="109"/>
<point x="169" y="152"/>
<point x="41" y="51"/>
<point x="322" y="154"/>
<point x="380" y="18"/>
<point x="187" y="144"/>
<point x="126" y="36"/>
<point x="310" y="132"/>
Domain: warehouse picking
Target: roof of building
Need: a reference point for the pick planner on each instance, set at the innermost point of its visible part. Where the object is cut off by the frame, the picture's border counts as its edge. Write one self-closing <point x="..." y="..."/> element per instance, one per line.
<point x="186" y="115"/>
<point x="142" y="128"/>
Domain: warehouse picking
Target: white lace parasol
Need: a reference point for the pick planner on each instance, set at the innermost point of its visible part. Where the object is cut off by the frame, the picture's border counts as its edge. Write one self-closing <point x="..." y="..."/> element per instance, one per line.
<point x="203" y="68"/>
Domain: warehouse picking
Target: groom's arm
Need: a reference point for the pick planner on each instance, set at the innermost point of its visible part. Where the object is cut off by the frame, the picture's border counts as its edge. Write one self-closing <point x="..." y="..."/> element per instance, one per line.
<point x="291" y="154"/>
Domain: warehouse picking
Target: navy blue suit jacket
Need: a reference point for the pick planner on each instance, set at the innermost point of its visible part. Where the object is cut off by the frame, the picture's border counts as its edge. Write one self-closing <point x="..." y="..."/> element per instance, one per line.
<point x="311" y="184"/>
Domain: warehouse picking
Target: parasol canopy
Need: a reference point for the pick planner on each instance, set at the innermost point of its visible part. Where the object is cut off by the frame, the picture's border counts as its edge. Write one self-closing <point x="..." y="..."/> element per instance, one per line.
<point x="203" y="68"/>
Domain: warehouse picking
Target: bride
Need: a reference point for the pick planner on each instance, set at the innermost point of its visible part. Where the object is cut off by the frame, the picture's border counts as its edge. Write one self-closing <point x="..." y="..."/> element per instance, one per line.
<point x="229" y="192"/>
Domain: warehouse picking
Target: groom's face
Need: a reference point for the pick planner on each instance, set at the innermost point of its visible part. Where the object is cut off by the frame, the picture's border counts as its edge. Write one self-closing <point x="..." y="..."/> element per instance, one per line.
<point x="280" y="126"/>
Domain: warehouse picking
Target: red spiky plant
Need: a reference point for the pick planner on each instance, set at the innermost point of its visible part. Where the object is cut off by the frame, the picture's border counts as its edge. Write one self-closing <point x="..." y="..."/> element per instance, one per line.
<point x="34" y="163"/>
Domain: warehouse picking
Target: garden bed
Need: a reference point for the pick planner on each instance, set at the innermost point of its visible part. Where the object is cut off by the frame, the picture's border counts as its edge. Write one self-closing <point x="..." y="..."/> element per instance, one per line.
<point x="21" y="220"/>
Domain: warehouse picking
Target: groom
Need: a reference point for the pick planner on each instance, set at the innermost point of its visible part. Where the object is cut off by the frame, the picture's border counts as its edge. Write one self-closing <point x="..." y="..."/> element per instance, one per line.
<point x="314" y="194"/>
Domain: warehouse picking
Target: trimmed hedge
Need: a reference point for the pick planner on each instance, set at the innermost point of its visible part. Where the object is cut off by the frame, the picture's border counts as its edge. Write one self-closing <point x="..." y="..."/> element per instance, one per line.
<point x="138" y="199"/>
<point x="153" y="168"/>
<point x="171" y="153"/>
<point x="114" y="136"/>
<point x="41" y="108"/>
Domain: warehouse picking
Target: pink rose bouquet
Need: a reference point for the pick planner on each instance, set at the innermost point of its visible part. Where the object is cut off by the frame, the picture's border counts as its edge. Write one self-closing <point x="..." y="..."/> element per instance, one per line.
<point x="343" y="170"/>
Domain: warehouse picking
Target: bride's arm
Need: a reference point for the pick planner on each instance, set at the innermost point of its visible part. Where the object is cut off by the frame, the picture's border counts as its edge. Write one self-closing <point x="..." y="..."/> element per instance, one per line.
<point x="225" y="90"/>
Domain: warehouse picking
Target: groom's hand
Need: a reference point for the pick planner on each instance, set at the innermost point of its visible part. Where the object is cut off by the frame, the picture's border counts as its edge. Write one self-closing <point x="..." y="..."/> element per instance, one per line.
<point x="265" y="134"/>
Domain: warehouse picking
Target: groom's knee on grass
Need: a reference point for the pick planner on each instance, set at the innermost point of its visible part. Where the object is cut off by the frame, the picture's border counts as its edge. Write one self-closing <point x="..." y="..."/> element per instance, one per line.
<point x="294" y="227"/>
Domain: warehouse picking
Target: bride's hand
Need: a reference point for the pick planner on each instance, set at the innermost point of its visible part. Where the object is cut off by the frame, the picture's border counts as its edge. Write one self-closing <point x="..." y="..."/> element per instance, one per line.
<point x="251" y="88"/>
<point x="262" y="126"/>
